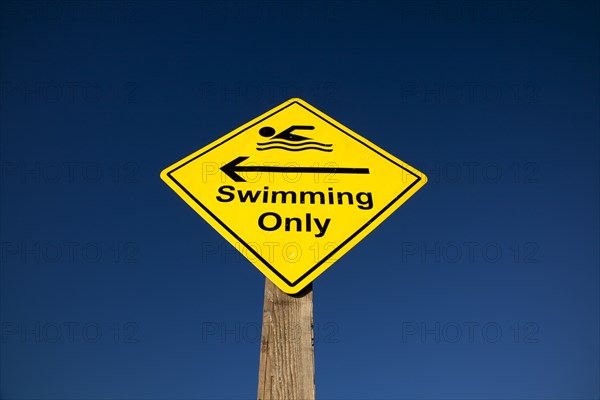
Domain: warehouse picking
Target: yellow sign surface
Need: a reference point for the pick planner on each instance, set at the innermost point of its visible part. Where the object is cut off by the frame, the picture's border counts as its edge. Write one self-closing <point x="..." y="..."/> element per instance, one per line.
<point x="293" y="190"/>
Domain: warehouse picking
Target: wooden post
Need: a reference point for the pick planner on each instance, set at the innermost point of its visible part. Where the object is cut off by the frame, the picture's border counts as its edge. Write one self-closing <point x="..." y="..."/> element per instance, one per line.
<point x="287" y="357"/>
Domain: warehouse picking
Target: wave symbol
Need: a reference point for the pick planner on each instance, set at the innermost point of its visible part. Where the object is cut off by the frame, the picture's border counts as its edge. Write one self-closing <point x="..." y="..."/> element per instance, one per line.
<point x="291" y="146"/>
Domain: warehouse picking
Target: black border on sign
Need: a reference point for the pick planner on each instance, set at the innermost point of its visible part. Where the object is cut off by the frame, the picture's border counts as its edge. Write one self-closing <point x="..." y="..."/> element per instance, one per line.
<point x="328" y="256"/>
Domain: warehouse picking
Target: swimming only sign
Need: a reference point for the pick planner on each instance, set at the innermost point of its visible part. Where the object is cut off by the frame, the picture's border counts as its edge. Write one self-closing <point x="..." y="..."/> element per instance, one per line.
<point x="293" y="190"/>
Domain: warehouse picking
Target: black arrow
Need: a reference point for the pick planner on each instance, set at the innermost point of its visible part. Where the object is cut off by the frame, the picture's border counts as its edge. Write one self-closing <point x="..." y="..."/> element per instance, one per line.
<point x="231" y="168"/>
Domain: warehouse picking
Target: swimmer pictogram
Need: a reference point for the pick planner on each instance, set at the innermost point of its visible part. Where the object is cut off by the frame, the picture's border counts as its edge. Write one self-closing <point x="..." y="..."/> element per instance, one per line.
<point x="288" y="141"/>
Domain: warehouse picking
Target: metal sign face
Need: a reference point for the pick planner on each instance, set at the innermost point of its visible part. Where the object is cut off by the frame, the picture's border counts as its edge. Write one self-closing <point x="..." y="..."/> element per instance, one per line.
<point x="293" y="190"/>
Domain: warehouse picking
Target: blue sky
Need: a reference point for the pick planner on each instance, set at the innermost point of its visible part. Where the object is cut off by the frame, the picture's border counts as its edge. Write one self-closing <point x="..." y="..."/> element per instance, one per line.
<point x="484" y="285"/>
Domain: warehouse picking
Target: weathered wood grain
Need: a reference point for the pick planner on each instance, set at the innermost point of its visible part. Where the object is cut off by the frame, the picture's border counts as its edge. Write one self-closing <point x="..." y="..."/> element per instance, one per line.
<point x="287" y="358"/>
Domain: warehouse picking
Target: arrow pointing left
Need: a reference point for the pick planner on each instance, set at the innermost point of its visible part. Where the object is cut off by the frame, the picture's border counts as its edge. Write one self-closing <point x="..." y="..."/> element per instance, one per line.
<point x="232" y="168"/>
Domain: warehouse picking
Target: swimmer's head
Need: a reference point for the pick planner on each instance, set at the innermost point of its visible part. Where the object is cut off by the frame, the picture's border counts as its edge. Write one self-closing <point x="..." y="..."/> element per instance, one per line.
<point x="266" y="131"/>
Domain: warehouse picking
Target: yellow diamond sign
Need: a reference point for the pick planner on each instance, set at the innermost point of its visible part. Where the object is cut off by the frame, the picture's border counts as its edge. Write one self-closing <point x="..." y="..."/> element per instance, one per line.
<point x="293" y="190"/>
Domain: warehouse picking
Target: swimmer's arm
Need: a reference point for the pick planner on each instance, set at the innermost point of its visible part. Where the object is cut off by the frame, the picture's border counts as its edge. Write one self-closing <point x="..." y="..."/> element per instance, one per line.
<point x="295" y="127"/>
